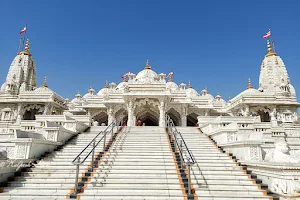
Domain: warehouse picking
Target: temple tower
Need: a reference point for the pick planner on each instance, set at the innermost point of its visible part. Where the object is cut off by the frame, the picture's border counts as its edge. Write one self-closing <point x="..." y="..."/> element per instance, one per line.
<point x="274" y="77"/>
<point x="21" y="74"/>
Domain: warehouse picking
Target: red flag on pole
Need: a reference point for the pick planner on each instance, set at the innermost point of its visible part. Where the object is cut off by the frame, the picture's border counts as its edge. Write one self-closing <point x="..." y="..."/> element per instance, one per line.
<point x="23" y="30"/>
<point x="268" y="34"/>
<point x="170" y="74"/>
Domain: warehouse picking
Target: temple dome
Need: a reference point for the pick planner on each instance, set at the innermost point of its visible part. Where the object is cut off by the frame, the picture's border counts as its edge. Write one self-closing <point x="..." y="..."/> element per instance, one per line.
<point x="103" y="91"/>
<point x="146" y="76"/>
<point x="123" y="86"/>
<point x="172" y="86"/>
<point x="43" y="89"/>
<point x="191" y="93"/>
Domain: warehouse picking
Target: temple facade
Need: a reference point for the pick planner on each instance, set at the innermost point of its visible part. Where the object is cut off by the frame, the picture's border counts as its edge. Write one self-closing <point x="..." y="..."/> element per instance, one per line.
<point x="260" y="127"/>
<point x="148" y="97"/>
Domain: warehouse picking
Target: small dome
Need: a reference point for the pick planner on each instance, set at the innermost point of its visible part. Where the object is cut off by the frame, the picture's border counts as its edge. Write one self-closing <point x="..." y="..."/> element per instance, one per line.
<point x="172" y="86"/>
<point x="103" y="91"/>
<point x="250" y="91"/>
<point x="90" y="93"/>
<point x="191" y="93"/>
<point x="123" y="86"/>
<point x="43" y="89"/>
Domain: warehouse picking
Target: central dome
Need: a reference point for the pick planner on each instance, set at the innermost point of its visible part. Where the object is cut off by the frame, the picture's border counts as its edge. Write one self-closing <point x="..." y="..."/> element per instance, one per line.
<point x="147" y="76"/>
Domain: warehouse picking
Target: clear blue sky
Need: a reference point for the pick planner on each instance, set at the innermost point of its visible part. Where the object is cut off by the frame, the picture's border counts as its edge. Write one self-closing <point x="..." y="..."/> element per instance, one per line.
<point x="217" y="44"/>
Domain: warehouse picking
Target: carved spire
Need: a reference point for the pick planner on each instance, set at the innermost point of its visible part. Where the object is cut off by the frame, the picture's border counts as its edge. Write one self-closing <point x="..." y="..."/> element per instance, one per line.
<point x="106" y="84"/>
<point x="249" y="84"/>
<point x="190" y="86"/>
<point x="45" y="82"/>
<point x="270" y="50"/>
<point x="147" y="65"/>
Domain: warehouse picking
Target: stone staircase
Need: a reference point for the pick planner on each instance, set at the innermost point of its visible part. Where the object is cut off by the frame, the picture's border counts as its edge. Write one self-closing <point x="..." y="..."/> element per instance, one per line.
<point x="53" y="176"/>
<point x="215" y="174"/>
<point x="140" y="165"/>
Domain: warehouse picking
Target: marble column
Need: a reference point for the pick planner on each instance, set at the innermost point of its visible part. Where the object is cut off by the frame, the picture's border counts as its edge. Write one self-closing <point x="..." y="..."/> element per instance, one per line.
<point x="273" y="117"/>
<point x="110" y="114"/>
<point x="183" y="120"/>
<point x="162" y="114"/>
<point x="130" y="111"/>
<point x="183" y="115"/>
<point x="19" y="113"/>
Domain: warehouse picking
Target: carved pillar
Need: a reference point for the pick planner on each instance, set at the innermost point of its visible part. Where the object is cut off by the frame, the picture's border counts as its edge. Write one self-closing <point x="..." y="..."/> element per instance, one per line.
<point x="19" y="113"/>
<point x="48" y="109"/>
<point x="162" y="114"/>
<point x="273" y="117"/>
<point x="130" y="111"/>
<point x="110" y="114"/>
<point x="183" y="115"/>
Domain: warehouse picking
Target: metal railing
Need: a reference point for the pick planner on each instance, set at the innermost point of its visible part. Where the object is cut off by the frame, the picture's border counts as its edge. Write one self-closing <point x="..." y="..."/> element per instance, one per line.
<point x="78" y="161"/>
<point x="185" y="154"/>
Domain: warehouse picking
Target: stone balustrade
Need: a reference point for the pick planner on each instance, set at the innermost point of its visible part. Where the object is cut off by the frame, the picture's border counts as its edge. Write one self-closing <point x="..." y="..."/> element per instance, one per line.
<point x="282" y="178"/>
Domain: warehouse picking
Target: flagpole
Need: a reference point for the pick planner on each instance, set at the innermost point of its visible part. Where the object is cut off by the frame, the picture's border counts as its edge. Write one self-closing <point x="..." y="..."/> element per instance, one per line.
<point x="272" y="42"/>
<point x="24" y="38"/>
<point x="20" y="44"/>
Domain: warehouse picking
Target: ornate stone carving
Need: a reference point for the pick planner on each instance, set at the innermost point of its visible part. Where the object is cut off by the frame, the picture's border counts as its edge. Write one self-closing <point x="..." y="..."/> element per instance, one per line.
<point x="285" y="187"/>
<point x="280" y="154"/>
<point x="21" y="151"/>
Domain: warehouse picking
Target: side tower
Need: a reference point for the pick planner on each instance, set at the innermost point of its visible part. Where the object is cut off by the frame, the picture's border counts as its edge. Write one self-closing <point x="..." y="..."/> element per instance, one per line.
<point x="274" y="77"/>
<point x="21" y="75"/>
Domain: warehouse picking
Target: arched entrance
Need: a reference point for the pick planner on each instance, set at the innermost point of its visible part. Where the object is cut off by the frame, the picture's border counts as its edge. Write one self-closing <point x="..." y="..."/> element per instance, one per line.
<point x="122" y="116"/>
<point x="147" y="114"/>
<point x="175" y="116"/>
<point x="192" y="119"/>
<point x="101" y="118"/>
<point x="31" y="110"/>
<point x="264" y="116"/>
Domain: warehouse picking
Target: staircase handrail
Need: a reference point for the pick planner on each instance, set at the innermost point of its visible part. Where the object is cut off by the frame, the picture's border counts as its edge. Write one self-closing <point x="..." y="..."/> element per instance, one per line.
<point x="104" y="135"/>
<point x="77" y="161"/>
<point x="190" y="159"/>
<point x="171" y="124"/>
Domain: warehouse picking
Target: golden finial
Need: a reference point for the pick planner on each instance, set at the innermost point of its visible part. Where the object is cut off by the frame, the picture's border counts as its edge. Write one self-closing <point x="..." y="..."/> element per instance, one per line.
<point x="170" y="79"/>
<point x="249" y="84"/>
<point x="190" y="86"/>
<point x="124" y="79"/>
<point x="27" y="46"/>
<point x="45" y="82"/>
<point x="270" y="51"/>
<point x="106" y="84"/>
<point x="147" y="65"/>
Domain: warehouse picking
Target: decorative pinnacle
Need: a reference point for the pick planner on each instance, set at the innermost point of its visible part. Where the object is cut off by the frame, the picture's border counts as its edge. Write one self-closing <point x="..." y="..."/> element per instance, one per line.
<point x="27" y="46"/>
<point x="190" y="86"/>
<point x="170" y="79"/>
<point x="270" y="51"/>
<point x="45" y="82"/>
<point x="249" y="84"/>
<point x="106" y="84"/>
<point x="147" y="65"/>
<point x="91" y="90"/>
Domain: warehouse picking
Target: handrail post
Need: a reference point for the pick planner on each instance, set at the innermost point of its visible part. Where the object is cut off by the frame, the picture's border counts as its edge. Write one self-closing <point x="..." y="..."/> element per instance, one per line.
<point x="189" y="177"/>
<point x="181" y="163"/>
<point x="77" y="174"/>
<point x="93" y="154"/>
<point x="112" y="130"/>
<point x="104" y="141"/>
